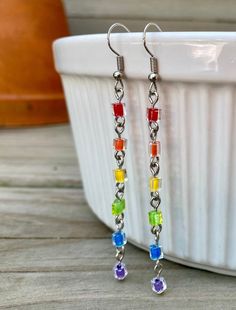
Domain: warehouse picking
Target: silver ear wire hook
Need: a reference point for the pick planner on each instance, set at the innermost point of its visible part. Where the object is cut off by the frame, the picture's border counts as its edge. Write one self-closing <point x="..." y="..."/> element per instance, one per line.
<point x="154" y="75"/>
<point x="109" y="34"/>
<point x="120" y="59"/>
<point x="144" y="36"/>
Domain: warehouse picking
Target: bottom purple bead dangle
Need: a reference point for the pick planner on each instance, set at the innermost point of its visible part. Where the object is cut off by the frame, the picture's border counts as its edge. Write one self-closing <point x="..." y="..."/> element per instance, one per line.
<point x="120" y="271"/>
<point x="159" y="285"/>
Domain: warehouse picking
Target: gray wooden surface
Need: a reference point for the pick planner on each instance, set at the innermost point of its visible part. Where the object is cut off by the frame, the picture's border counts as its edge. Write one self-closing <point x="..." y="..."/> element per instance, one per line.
<point x="55" y="254"/>
<point x="92" y="16"/>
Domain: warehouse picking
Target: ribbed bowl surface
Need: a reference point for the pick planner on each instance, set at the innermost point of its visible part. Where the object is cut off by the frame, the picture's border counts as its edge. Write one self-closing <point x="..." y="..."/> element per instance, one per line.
<point x="198" y="162"/>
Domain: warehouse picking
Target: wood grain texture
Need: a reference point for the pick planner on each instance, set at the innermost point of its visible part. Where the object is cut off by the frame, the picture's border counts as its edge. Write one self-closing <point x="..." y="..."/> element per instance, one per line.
<point x="87" y="17"/>
<point x="101" y="25"/>
<point x="66" y="272"/>
<point x="98" y="290"/>
<point x="172" y="10"/>
<point x="46" y="213"/>
<point x="55" y="254"/>
<point x="45" y="158"/>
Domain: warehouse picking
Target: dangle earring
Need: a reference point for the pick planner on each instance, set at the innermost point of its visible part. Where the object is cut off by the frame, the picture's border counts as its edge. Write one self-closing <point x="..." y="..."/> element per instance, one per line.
<point x="119" y="143"/>
<point x="155" y="215"/>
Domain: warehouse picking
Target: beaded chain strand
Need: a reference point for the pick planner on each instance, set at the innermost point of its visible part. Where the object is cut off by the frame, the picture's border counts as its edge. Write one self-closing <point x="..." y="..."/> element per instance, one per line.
<point x="119" y="144"/>
<point x="155" y="215"/>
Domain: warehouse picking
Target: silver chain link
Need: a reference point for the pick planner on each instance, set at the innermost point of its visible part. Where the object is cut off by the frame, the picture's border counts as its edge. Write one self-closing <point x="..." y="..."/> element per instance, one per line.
<point x="120" y="253"/>
<point x="154" y="166"/>
<point x="155" y="200"/>
<point x="153" y="95"/>
<point x="119" y="89"/>
<point x="119" y="220"/>
<point x="120" y="188"/>
<point x="158" y="268"/>
<point x="153" y="128"/>
<point x="119" y="125"/>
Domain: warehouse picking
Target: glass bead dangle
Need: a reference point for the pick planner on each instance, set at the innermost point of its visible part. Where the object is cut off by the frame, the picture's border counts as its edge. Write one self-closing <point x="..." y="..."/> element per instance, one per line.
<point x="120" y="176"/>
<point x="120" y="271"/>
<point x="155" y="218"/>
<point x="158" y="285"/>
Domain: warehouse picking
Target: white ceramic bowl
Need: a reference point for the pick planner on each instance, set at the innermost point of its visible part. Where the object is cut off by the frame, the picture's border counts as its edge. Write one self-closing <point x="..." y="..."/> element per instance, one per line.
<point x="198" y="133"/>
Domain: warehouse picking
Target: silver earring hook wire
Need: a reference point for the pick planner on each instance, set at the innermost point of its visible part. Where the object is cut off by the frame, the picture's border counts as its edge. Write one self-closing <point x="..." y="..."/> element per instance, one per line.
<point x="144" y="36"/>
<point x="109" y="34"/>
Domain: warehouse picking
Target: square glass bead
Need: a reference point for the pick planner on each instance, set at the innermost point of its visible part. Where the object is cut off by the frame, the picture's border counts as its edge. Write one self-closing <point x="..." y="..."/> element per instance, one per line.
<point x="119" y="239"/>
<point x="118" y="206"/>
<point x="158" y="285"/>
<point x="153" y="114"/>
<point x="155" y="218"/>
<point x="155" y="148"/>
<point x="155" y="184"/>
<point x="120" y="175"/>
<point x="155" y="252"/>
<point x="118" y="109"/>
<point x="119" y="144"/>
<point x="120" y="271"/>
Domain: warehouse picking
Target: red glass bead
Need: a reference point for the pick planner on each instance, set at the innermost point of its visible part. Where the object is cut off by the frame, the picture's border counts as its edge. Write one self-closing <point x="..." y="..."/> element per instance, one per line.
<point x="153" y="114"/>
<point x="118" y="109"/>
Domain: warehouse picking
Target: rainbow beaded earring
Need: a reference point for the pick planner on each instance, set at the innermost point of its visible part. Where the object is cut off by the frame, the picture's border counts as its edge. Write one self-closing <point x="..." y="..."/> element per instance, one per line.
<point x="119" y="143"/>
<point x="155" y="215"/>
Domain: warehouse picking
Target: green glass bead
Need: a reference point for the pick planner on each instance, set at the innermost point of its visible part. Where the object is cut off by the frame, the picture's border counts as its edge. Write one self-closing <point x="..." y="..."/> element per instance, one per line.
<point x="155" y="218"/>
<point x="118" y="206"/>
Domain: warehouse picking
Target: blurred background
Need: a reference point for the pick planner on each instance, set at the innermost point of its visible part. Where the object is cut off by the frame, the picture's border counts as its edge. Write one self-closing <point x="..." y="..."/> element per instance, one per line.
<point x="91" y="16"/>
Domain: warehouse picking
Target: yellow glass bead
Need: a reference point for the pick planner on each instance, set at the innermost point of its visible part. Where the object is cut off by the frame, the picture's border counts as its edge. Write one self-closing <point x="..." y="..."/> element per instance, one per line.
<point x="120" y="175"/>
<point x="155" y="184"/>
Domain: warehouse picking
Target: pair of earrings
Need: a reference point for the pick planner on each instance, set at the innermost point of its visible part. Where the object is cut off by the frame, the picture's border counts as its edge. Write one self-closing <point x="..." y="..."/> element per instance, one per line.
<point x="119" y="143"/>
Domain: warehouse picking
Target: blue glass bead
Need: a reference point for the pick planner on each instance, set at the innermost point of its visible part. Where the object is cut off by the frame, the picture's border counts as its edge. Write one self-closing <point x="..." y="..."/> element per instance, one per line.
<point x="158" y="285"/>
<point x="120" y="271"/>
<point x="119" y="239"/>
<point x="155" y="252"/>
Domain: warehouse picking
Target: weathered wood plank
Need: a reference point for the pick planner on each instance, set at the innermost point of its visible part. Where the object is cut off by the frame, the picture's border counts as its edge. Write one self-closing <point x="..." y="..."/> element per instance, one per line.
<point x="87" y="25"/>
<point x="88" y="17"/>
<point x="205" y="10"/>
<point x="59" y="135"/>
<point x="48" y="255"/>
<point x="128" y="304"/>
<point x="112" y="303"/>
<point x="47" y="213"/>
<point x="191" y="289"/>
<point x="28" y="279"/>
<point x="38" y="157"/>
<point x="39" y="173"/>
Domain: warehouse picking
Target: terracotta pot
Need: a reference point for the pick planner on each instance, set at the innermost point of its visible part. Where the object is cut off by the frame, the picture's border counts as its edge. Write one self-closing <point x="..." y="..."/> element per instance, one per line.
<point x="30" y="89"/>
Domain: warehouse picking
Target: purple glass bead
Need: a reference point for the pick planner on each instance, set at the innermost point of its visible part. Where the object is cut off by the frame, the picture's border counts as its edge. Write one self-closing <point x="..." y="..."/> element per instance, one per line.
<point x="120" y="271"/>
<point x="158" y="285"/>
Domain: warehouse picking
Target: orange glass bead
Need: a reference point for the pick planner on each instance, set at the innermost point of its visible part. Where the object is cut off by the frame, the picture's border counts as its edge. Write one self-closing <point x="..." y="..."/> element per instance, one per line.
<point x="155" y="148"/>
<point x="119" y="144"/>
